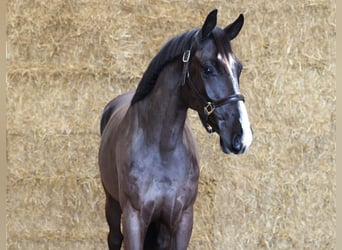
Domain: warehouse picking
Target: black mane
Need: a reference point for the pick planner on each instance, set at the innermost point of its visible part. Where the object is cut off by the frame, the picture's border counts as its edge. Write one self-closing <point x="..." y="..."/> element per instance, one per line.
<point x="169" y="52"/>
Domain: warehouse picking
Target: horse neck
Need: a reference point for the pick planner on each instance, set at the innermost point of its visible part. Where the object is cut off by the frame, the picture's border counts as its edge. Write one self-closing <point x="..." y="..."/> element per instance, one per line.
<point x="162" y="114"/>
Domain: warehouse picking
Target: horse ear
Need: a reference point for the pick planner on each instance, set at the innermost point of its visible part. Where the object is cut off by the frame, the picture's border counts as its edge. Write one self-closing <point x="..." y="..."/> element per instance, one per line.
<point x="209" y="25"/>
<point x="233" y="29"/>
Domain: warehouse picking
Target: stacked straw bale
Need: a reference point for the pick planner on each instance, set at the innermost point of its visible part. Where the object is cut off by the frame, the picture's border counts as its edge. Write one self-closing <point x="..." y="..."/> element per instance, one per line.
<point x="68" y="58"/>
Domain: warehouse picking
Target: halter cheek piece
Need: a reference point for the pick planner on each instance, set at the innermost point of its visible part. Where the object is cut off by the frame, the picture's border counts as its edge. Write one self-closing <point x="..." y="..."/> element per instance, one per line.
<point x="208" y="106"/>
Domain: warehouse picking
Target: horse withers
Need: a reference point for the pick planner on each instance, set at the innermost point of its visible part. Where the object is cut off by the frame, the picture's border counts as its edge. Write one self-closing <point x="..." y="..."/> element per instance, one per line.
<point x="148" y="159"/>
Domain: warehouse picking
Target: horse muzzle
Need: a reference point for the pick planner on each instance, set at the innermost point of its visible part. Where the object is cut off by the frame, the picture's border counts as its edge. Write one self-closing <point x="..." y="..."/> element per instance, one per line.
<point x="234" y="147"/>
<point x="236" y="143"/>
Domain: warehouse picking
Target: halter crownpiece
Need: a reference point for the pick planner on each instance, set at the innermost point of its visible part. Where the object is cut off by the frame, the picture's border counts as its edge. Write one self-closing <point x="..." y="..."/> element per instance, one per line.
<point x="186" y="60"/>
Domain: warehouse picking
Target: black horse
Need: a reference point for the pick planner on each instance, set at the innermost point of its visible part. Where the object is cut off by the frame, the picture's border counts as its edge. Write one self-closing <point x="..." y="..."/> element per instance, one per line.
<point x="148" y="158"/>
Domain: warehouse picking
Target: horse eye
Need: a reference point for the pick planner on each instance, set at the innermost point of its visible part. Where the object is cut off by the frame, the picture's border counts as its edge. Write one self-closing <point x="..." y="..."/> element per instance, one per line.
<point x="208" y="70"/>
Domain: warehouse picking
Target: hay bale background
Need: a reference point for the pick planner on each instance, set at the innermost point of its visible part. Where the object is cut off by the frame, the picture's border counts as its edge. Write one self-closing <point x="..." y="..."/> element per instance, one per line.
<point x="67" y="59"/>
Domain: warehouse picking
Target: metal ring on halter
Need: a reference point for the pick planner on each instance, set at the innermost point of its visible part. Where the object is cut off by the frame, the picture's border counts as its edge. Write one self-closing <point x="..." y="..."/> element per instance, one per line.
<point x="209" y="108"/>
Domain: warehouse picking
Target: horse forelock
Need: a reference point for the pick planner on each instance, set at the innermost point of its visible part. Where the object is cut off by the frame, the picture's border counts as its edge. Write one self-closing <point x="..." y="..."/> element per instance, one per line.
<point x="222" y="42"/>
<point x="173" y="49"/>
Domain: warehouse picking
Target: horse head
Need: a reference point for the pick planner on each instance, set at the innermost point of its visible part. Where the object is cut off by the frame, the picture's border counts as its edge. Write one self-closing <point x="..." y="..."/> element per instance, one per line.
<point x="211" y="84"/>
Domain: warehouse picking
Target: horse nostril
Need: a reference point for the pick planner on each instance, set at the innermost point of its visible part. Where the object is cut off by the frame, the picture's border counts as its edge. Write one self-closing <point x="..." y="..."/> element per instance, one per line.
<point x="236" y="143"/>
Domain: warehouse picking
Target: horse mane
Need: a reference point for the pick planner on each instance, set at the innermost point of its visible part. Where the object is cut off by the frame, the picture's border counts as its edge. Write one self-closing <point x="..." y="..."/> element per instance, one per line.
<point x="173" y="49"/>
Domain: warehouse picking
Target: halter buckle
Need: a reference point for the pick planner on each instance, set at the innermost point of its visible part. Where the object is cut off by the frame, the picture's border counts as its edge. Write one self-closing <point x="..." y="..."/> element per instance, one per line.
<point x="186" y="56"/>
<point x="209" y="108"/>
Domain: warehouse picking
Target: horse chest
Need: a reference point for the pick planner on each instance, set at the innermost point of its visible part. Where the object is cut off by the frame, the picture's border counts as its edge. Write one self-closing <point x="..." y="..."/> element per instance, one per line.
<point x="161" y="189"/>
<point x="165" y="199"/>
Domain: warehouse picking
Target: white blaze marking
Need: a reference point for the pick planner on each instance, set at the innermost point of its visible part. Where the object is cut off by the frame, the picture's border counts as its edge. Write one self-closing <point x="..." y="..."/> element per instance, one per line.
<point x="247" y="135"/>
<point x="230" y="65"/>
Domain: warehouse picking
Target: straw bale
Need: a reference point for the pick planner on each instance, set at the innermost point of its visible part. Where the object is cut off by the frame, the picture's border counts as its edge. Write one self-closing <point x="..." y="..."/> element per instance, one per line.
<point x="67" y="59"/>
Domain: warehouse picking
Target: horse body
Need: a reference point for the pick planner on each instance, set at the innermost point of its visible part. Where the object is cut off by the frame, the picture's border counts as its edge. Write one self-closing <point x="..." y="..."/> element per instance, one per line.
<point x="153" y="181"/>
<point x="148" y="156"/>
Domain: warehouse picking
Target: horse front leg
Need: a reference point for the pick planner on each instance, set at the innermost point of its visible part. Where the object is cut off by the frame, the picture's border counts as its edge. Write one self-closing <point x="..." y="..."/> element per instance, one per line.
<point x="113" y="216"/>
<point x="133" y="229"/>
<point x="184" y="229"/>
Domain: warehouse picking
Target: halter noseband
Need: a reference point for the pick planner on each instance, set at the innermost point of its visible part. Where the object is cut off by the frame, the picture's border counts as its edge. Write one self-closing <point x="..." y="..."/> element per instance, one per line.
<point x="208" y="106"/>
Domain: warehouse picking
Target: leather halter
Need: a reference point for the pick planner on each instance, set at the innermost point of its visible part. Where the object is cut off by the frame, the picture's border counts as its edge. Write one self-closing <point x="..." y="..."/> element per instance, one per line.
<point x="208" y="106"/>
